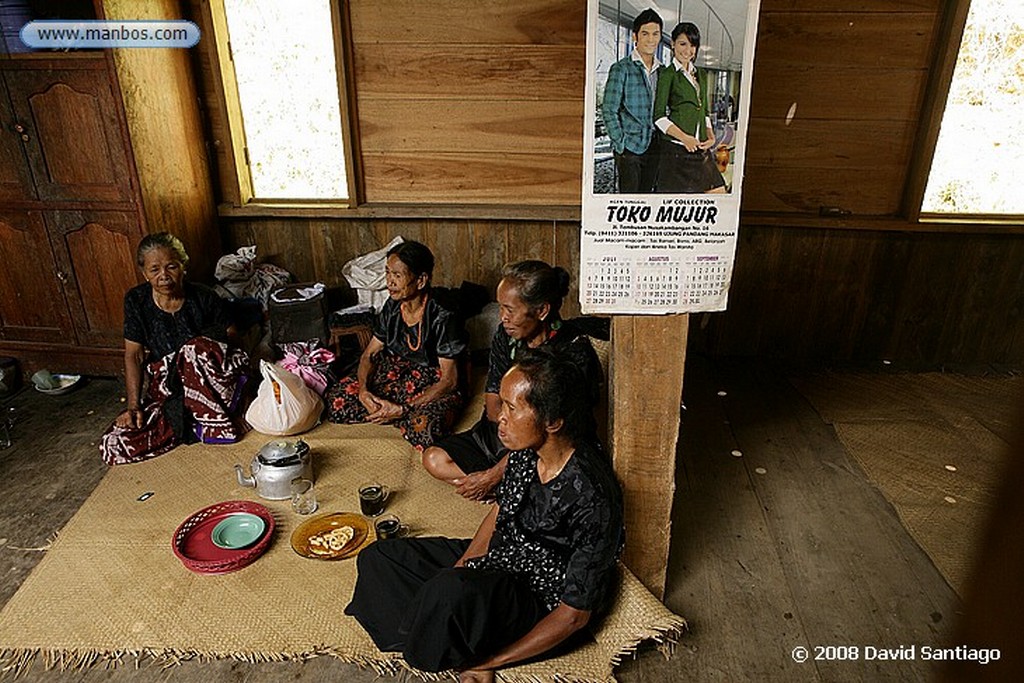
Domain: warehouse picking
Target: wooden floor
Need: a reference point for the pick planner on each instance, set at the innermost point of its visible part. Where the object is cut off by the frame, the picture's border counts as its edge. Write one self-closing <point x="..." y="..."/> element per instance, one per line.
<point x="785" y="546"/>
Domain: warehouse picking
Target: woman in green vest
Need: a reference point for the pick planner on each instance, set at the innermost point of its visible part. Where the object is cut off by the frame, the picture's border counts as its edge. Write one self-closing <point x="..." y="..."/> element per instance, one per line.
<point x="681" y="114"/>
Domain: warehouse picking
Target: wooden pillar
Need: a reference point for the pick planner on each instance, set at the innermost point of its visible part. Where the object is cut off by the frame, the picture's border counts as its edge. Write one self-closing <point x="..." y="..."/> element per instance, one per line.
<point x="161" y="106"/>
<point x="646" y="379"/>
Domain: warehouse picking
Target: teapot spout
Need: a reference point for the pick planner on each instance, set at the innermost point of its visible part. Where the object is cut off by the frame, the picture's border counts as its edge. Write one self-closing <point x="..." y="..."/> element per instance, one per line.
<point x="249" y="482"/>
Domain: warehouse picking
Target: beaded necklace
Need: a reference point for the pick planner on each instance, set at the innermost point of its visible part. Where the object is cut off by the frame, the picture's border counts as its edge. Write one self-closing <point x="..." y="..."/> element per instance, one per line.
<point x="419" y="330"/>
<point x="553" y="328"/>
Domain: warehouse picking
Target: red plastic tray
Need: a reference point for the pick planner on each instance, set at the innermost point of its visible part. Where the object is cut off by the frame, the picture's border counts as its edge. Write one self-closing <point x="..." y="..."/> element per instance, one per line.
<point x="194" y="547"/>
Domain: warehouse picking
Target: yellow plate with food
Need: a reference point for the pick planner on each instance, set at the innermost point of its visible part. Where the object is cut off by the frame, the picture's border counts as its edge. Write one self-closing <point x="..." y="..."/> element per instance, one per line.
<point x="331" y="537"/>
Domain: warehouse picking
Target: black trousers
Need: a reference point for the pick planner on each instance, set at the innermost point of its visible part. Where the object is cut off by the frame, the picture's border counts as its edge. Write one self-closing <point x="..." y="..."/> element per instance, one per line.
<point x="638" y="173"/>
<point x="477" y="449"/>
<point x="411" y="600"/>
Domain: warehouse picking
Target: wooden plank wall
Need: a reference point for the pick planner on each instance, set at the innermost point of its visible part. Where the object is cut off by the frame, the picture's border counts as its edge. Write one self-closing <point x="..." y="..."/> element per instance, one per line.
<point x="470" y="102"/>
<point x="455" y="105"/>
<point x="915" y="299"/>
<point x="856" y="72"/>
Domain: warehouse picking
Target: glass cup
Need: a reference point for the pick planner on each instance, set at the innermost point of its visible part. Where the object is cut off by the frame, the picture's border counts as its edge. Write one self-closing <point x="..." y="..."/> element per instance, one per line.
<point x="303" y="497"/>
<point x="372" y="497"/>
<point x="389" y="526"/>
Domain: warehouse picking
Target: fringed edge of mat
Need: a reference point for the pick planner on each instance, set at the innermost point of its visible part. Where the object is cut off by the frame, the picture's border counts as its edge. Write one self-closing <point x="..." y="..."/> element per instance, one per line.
<point x="664" y="635"/>
<point x="15" y="662"/>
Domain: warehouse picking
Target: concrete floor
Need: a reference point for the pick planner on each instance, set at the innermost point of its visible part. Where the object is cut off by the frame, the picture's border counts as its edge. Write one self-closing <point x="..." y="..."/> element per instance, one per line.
<point x="804" y="553"/>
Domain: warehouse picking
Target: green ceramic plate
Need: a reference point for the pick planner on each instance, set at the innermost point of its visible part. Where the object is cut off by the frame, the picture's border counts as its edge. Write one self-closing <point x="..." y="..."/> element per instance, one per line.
<point x="238" y="531"/>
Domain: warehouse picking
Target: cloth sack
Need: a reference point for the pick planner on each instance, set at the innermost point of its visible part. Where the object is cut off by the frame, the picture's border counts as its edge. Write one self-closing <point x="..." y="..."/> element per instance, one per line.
<point x="365" y="274"/>
<point x="240" y="276"/>
<point x="284" y="405"/>
<point x="310" y="361"/>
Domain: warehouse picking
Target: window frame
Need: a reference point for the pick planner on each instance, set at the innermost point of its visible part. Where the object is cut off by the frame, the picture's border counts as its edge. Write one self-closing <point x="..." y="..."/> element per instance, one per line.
<point x="236" y="180"/>
<point x="948" y="39"/>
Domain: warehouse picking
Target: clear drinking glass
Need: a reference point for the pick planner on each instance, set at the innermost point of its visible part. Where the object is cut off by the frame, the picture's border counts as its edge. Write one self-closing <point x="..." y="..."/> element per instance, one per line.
<point x="303" y="497"/>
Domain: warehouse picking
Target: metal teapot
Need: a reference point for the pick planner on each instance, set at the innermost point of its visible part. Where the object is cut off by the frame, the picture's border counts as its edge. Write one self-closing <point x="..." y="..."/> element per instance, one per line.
<point x="274" y="467"/>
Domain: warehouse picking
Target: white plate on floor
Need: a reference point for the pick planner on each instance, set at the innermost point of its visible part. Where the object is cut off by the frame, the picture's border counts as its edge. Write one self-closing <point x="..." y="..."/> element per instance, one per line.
<point x="65" y="383"/>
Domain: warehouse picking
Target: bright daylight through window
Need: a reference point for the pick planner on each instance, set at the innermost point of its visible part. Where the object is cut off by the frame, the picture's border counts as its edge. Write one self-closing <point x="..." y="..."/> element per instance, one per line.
<point x="283" y="54"/>
<point x="979" y="156"/>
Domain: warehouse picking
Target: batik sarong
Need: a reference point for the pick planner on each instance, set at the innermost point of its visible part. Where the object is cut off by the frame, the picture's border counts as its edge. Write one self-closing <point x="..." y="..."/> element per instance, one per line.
<point x="193" y="394"/>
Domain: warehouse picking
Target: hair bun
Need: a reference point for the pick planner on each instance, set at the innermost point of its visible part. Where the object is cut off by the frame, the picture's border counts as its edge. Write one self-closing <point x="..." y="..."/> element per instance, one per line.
<point x="563" y="280"/>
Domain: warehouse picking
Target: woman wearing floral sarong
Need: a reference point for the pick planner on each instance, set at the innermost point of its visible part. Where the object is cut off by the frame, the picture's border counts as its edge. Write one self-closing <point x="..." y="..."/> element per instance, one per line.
<point x="408" y="374"/>
<point x="184" y="383"/>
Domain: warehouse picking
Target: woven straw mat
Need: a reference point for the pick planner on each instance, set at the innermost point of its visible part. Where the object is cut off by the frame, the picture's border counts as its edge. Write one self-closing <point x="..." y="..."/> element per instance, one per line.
<point x="933" y="443"/>
<point x="112" y="585"/>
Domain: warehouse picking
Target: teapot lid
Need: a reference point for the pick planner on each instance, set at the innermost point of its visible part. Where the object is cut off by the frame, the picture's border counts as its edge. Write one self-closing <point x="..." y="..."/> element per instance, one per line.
<point x="282" y="452"/>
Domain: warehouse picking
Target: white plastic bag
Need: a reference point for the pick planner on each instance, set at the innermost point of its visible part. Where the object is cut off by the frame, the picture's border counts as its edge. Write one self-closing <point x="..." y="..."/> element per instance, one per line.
<point x="284" y="405"/>
<point x="366" y="275"/>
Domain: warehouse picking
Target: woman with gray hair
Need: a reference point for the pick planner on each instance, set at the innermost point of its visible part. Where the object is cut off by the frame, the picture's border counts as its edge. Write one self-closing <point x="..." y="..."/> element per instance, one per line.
<point x="184" y="383"/>
<point x="530" y="296"/>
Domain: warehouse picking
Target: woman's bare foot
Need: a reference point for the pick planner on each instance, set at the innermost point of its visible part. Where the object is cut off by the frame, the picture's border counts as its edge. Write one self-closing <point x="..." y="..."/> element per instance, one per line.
<point x="473" y="676"/>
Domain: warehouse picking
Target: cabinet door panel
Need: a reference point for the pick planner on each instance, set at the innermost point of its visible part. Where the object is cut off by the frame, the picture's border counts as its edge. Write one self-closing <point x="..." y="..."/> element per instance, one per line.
<point x="75" y="147"/>
<point x="32" y="305"/>
<point x="97" y="251"/>
<point x="15" y="178"/>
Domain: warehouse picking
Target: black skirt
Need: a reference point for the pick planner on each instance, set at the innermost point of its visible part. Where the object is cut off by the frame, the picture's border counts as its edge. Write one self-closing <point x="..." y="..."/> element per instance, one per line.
<point x="683" y="172"/>
<point x="411" y="600"/>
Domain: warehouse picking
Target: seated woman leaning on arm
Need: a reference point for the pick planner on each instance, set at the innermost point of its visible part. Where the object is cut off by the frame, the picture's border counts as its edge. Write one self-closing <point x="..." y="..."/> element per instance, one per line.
<point x="530" y="296"/>
<point x="408" y="373"/>
<point x="541" y="563"/>
<point x="175" y="341"/>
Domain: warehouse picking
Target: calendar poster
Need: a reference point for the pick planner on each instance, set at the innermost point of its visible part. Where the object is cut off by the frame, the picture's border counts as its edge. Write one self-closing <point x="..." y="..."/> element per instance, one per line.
<point x="665" y="120"/>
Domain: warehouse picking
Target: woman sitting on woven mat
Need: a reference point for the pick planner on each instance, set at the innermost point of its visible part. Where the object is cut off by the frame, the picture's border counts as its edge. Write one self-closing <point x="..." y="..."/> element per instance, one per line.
<point x="530" y="295"/>
<point x="408" y="374"/>
<point x="541" y="563"/>
<point x="175" y="340"/>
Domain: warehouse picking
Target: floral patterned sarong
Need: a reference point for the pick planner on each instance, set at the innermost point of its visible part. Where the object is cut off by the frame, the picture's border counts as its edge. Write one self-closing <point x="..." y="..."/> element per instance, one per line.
<point x="398" y="380"/>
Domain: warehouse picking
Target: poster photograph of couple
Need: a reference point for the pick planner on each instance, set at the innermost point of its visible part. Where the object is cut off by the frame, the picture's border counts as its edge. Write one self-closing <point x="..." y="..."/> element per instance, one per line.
<point x="664" y="95"/>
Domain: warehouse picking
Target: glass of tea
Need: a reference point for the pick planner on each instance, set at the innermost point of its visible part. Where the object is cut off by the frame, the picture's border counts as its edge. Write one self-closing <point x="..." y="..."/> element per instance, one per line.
<point x="372" y="498"/>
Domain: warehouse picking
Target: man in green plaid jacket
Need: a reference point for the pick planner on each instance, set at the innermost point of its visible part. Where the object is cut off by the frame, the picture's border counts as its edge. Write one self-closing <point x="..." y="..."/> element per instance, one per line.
<point x="628" y="107"/>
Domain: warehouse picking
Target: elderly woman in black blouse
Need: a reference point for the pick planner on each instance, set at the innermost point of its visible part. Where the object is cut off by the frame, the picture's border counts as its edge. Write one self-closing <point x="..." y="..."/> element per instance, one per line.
<point x="541" y="563"/>
<point x="408" y="373"/>
<point x="184" y="383"/>
<point x="530" y="297"/>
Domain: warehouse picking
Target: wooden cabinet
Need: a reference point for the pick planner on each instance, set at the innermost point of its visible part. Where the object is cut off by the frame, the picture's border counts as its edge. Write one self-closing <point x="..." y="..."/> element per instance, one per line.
<point x="94" y="252"/>
<point x="32" y="305"/>
<point x="71" y="217"/>
<point x="96" y="151"/>
<point x="67" y="121"/>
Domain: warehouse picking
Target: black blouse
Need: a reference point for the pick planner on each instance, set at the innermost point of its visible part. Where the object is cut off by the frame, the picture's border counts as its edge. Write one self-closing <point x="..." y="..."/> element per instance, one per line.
<point x="563" y="537"/>
<point x="439" y="334"/>
<point x="163" y="333"/>
<point x="564" y="338"/>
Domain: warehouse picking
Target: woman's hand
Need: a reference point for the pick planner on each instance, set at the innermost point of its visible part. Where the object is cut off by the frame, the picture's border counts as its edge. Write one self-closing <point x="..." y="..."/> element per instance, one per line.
<point x="480" y="485"/>
<point x="691" y="143"/>
<point x="134" y="356"/>
<point x="130" y="418"/>
<point x="710" y="142"/>
<point x="446" y="382"/>
<point x="386" y="412"/>
<point x="369" y="401"/>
